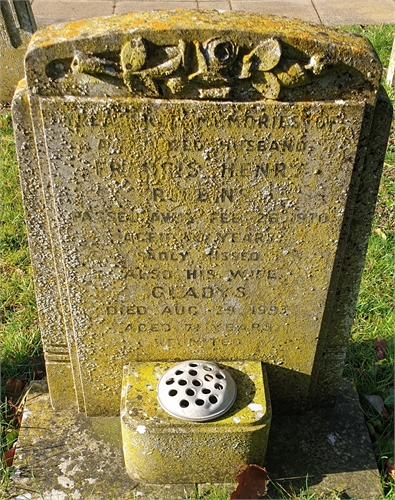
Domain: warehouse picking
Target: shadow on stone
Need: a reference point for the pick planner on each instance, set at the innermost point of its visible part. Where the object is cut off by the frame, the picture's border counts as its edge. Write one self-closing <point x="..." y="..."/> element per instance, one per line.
<point x="245" y="397"/>
<point x="327" y="449"/>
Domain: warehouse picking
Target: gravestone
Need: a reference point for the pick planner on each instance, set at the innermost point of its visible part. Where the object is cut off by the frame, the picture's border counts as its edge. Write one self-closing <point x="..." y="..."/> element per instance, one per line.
<point x="16" y="28"/>
<point x="195" y="188"/>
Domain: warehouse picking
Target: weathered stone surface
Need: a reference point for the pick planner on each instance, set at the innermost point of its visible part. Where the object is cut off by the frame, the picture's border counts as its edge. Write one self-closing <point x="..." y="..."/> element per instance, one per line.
<point x="211" y="255"/>
<point x="159" y="448"/>
<point x="189" y="189"/>
<point x="325" y="450"/>
<point x="326" y="381"/>
<point x="16" y="28"/>
<point x="67" y="455"/>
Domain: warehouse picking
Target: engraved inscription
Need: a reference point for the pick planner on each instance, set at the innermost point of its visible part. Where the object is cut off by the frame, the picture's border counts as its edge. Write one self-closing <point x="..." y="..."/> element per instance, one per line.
<point x="211" y="241"/>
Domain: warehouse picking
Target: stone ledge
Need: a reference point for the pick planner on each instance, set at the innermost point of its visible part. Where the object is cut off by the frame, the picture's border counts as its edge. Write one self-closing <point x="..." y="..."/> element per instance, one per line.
<point x="60" y="453"/>
<point x="331" y="448"/>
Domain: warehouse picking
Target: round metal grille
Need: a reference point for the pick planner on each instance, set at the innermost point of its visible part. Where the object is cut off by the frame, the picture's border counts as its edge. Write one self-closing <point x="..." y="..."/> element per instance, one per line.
<point x="197" y="391"/>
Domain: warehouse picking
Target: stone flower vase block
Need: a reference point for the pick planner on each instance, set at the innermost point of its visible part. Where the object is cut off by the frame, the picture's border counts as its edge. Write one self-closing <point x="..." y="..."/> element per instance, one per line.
<point x="159" y="448"/>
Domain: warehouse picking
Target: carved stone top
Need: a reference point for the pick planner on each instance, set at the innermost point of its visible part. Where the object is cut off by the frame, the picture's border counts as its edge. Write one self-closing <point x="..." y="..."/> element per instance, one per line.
<point x="215" y="69"/>
<point x="207" y="55"/>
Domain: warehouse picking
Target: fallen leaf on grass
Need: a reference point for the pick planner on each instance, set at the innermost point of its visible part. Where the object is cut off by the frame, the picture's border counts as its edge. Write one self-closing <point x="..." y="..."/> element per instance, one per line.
<point x="384" y="413"/>
<point x="376" y="401"/>
<point x="251" y="483"/>
<point x="381" y="348"/>
<point x="14" y="386"/>
<point x="8" y="457"/>
<point x="15" y="414"/>
<point x="381" y="233"/>
<point x="390" y="470"/>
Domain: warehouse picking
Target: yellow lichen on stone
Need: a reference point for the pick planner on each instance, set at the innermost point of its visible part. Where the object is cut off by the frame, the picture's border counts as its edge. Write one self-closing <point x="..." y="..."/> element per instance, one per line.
<point x="192" y="191"/>
<point x="159" y="448"/>
<point x="16" y="28"/>
<point x="222" y="38"/>
<point x="207" y="243"/>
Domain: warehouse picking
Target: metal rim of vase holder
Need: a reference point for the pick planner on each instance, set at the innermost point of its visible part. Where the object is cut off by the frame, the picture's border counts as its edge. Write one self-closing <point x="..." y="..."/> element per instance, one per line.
<point x="197" y="391"/>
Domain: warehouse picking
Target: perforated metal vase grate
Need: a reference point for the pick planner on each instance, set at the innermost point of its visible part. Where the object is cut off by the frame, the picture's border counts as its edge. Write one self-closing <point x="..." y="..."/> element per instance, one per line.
<point x="197" y="391"/>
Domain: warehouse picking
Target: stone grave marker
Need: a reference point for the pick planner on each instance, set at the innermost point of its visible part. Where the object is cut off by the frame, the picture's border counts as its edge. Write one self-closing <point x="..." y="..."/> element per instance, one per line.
<point x="16" y="28"/>
<point x="193" y="190"/>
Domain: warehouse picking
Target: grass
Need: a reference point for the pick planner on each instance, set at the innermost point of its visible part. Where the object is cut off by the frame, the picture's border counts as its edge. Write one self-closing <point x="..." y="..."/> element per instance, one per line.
<point x="381" y="37"/>
<point x="20" y="337"/>
<point x="20" y="340"/>
<point x="371" y="369"/>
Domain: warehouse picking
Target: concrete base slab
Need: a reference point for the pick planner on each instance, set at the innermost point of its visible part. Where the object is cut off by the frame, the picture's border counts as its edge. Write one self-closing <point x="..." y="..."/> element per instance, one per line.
<point x="65" y="455"/>
<point x="329" y="450"/>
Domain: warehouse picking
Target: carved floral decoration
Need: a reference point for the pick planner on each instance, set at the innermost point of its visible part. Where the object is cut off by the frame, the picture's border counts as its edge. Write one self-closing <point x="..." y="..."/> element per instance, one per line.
<point x="215" y="69"/>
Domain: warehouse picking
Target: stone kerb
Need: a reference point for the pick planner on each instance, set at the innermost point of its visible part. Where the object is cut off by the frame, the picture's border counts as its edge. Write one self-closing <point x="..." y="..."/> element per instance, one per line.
<point x="191" y="196"/>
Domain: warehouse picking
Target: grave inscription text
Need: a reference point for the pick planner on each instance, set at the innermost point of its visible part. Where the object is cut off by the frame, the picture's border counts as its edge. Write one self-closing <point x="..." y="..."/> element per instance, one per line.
<point x="206" y="229"/>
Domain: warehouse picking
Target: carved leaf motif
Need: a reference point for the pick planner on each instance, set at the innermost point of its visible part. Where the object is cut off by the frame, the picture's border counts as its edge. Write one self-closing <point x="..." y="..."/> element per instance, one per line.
<point x="264" y="57"/>
<point x="292" y="76"/>
<point x="236" y="64"/>
<point x="201" y="62"/>
<point x="133" y="55"/>
<point x="267" y="85"/>
<point x="164" y="71"/>
<point x="167" y="68"/>
<point x="268" y="54"/>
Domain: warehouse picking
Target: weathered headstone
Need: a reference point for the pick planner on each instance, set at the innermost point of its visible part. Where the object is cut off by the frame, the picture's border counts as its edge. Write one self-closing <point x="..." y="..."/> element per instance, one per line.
<point x="197" y="191"/>
<point x="16" y="28"/>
